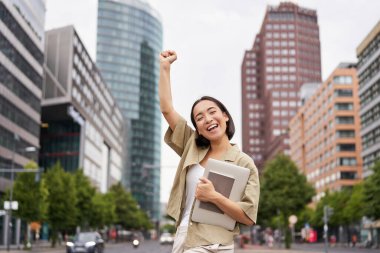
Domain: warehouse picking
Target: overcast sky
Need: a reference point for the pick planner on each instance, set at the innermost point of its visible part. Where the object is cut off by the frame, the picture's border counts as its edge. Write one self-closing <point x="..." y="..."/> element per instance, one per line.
<point x="210" y="37"/>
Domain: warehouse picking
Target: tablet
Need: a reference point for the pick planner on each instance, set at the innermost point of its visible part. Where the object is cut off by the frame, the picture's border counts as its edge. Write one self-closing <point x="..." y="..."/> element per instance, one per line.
<point x="229" y="180"/>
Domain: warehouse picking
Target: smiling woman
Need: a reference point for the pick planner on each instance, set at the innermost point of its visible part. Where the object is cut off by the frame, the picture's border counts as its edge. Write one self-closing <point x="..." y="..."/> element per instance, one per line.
<point x="214" y="128"/>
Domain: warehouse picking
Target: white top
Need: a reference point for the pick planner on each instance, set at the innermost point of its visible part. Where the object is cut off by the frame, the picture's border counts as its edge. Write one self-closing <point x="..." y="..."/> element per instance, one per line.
<point x="192" y="178"/>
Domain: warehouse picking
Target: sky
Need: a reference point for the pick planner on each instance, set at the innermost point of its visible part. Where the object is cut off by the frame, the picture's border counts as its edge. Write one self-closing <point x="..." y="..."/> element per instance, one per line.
<point x="210" y="38"/>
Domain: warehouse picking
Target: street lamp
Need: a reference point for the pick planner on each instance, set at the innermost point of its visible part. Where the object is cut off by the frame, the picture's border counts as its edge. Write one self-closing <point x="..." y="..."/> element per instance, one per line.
<point x="27" y="149"/>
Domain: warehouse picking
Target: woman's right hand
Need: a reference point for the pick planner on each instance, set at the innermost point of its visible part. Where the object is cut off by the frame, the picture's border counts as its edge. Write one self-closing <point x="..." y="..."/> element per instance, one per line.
<point x="167" y="57"/>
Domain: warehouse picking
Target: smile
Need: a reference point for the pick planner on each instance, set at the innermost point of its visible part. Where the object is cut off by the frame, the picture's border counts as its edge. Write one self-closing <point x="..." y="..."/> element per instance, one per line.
<point x="212" y="127"/>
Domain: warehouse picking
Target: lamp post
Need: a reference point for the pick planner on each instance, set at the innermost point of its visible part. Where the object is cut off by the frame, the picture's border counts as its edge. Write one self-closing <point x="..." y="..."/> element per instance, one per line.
<point x="27" y="149"/>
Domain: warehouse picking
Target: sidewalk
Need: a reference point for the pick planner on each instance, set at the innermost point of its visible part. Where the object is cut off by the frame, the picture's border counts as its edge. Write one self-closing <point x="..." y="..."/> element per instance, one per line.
<point x="264" y="249"/>
<point x="39" y="247"/>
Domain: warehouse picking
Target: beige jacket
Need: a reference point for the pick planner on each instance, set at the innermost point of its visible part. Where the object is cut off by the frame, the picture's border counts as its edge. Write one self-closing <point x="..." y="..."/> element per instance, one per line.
<point x="182" y="141"/>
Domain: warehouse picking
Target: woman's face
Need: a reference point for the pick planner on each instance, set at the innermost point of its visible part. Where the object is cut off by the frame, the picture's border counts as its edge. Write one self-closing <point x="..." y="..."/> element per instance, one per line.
<point x="211" y="122"/>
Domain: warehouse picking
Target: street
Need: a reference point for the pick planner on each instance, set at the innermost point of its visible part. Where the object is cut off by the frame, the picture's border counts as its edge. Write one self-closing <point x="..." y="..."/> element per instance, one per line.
<point x="155" y="247"/>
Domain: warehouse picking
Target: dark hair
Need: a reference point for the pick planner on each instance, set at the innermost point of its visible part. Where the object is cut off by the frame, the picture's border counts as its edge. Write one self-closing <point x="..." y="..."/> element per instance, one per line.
<point x="230" y="129"/>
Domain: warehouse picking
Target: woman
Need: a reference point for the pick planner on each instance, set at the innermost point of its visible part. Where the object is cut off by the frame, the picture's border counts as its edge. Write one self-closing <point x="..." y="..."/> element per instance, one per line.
<point x="214" y="128"/>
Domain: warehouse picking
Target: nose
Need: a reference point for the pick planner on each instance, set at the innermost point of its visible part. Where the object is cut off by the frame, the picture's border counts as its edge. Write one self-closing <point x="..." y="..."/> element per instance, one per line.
<point x="208" y="118"/>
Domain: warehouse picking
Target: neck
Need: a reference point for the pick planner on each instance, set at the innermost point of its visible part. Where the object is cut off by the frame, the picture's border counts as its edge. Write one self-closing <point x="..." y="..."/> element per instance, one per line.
<point x="221" y="145"/>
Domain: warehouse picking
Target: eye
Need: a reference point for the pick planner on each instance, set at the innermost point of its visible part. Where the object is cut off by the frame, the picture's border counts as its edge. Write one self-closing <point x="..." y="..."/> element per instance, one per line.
<point x="212" y="112"/>
<point x="199" y="118"/>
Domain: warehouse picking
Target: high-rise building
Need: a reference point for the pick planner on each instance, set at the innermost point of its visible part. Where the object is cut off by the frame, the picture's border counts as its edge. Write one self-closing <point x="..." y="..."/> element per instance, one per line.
<point x="21" y="61"/>
<point x="21" y="70"/>
<point x="81" y="121"/>
<point x="129" y="40"/>
<point x="285" y="55"/>
<point x="324" y="135"/>
<point x="368" y="53"/>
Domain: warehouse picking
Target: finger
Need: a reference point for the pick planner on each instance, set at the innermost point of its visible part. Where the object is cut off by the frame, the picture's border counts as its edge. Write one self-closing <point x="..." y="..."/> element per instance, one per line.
<point x="203" y="180"/>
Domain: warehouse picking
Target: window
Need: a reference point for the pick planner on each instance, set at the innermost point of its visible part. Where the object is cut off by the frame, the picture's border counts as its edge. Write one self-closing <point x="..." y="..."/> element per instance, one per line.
<point x="342" y="79"/>
<point x="345" y="147"/>
<point x="343" y="93"/>
<point x="347" y="161"/>
<point x="345" y="133"/>
<point x="344" y="106"/>
<point x="344" y="120"/>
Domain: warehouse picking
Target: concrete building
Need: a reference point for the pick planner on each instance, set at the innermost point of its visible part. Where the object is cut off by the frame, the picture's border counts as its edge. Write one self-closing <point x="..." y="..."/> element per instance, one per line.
<point x="368" y="53"/>
<point x="81" y="121"/>
<point x="285" y="55"/>
<point x="324" y="135"/>
<point x="21" y="73"/>
<point x="129" y="40"/>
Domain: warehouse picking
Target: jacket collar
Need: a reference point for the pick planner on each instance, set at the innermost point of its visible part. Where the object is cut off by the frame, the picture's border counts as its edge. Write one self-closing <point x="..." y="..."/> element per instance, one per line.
<point x="196" y="155"/>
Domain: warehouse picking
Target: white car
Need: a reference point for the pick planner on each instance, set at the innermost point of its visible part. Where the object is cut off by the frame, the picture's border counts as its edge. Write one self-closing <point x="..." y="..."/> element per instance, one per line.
<point x="166" y="238"/>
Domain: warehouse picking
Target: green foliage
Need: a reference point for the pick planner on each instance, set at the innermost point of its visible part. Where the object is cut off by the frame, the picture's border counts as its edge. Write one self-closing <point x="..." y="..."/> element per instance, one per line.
<point x="62" y="200"/>
<point x="128" y="213"/>
<point x="103" y="212"/>
<point x="168" y="228"/>
<point x="30" y="195"/>
<point x="372" y="193"/>
<point x="304" y="217"/>
<point x="283" y="188"/>
<point x="84" y="194"/>
<point x="355" y="206"/>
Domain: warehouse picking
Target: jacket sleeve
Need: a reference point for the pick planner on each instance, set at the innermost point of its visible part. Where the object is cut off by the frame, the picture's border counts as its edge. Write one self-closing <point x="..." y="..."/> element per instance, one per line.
<point x="178" y="138"/>
<point x="250" y="200"/>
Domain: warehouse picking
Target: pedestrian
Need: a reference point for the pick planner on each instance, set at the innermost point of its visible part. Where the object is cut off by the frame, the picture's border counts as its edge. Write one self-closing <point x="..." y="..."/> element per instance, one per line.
<point x="214" y="128"/>
<point x="354" y="239"/>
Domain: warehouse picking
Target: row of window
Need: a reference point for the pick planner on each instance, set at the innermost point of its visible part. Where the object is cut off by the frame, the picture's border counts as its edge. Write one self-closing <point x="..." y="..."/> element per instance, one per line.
<point x="370" y="71"/>
<point x="279" y="26"/>
<point x="371" y="138"/>
<point x="372" y="93"/>
<point x="370" y="50"/>
<point x="278" y="43"/>
<point x="15" y="57"/>
<point x="372" y="115"/>
<point x="14" y="85"/>
<point x="18" y="117"/>
<point x="7" y="140"/>
<point x="20" y="34"/>
<point x="369" y="160"/>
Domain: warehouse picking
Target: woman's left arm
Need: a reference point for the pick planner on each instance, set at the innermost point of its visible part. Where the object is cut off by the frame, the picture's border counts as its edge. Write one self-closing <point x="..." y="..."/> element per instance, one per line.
<point x="206" y="192"/>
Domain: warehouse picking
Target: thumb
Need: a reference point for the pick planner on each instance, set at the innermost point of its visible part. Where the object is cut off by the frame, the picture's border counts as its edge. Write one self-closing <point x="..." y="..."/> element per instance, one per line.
<point x="204" y="180"/>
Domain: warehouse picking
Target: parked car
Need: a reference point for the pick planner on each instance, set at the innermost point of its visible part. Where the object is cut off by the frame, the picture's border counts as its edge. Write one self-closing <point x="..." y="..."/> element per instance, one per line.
<point x="86" y="242"/>
<point x="166" y="238"/>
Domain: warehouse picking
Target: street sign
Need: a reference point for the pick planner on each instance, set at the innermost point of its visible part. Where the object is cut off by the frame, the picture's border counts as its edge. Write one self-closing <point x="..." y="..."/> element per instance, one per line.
<point x="3" y="212"/>
<point x="8" y="205"/>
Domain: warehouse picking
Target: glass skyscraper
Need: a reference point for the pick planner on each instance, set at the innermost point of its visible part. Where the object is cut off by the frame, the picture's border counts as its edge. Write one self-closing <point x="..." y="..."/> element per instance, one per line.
<point x="129" y="40"/>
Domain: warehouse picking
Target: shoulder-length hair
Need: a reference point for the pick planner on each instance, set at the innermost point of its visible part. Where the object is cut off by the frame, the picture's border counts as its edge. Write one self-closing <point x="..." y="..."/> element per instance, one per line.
<point x="230" y="129"/>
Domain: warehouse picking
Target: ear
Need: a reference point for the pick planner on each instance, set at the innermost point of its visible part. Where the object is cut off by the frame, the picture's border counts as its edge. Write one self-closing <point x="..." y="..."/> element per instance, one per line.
<point x="226" y="117"/>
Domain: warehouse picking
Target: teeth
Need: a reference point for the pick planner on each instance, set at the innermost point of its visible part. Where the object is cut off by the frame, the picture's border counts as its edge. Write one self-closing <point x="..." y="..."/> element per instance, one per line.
<point x="212" y="127"/>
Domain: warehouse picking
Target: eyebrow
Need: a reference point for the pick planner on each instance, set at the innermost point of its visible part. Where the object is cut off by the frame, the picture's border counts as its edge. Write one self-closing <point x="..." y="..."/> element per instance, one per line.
<point x="208" y="109"/>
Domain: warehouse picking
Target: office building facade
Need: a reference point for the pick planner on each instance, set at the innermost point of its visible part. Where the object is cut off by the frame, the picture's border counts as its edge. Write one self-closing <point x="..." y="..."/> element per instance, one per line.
<point x="368" y="53"/>
<point x="324" y="135"/>
<point x="285" y="55"/>
<point x="129" y="40"/>
<point x="81" y="121"/>
<point x="21" y="75"/>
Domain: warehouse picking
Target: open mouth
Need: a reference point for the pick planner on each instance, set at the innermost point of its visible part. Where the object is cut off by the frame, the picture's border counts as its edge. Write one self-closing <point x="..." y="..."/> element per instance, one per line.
<point x="212" y="127"/>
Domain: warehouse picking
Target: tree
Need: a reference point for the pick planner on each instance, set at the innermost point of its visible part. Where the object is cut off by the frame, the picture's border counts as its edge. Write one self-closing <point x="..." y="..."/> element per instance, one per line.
<point x="31" y="195"/>
<point x="84" y="194"/>
<point x="356" y="206"/>
<point x="372" y="193"/>
<point x="283" y="189"/>
<point x="128" y="213"/>
<point x="61" y="211"/>
<point x="103" y="212"/>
